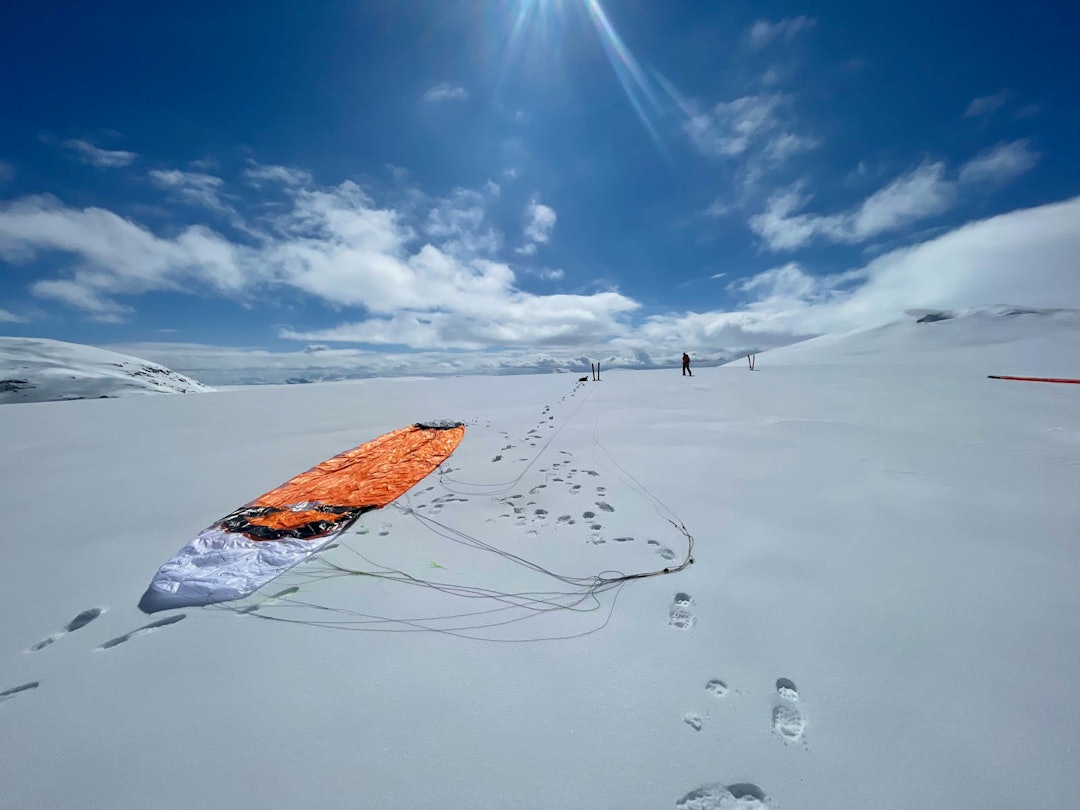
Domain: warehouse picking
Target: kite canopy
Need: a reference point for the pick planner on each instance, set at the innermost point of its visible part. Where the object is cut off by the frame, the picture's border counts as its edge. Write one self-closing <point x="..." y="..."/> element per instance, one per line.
<point x="263" y="539"/>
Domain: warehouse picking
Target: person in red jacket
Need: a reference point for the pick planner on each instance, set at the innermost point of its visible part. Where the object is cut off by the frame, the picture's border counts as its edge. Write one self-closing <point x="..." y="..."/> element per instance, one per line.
<point x="686" y="365"/>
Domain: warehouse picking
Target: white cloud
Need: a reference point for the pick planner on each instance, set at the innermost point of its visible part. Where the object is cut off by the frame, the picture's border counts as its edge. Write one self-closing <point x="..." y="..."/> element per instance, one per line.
<point x="788" y="144"/>
<point x="919" y="194"/>
<point x="514" y="319"/>
<point x="82" y="296"/>
<point x="916" y="195"/>
<point x="423" y="275"/>
<point x="10" y="317"/>
<point x="444" y="91"/>
<point x="540" y="221"/>
<point x="458" y="224"/>
<point x="116" y="256"/>
<point x="102" y="158"/>
<point x="258" y="174"/>
<point x="1025" y="257"/>
<point x="763" y="32"/>
<point x="731" y="127"/>
<point x="984" y="105"/>
<point x="194" y="188"/>
<point x="1001" y="164"/>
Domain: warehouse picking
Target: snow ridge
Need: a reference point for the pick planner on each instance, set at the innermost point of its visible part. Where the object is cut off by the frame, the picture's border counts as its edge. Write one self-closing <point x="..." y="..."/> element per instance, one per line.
<point x="41" y="370"/>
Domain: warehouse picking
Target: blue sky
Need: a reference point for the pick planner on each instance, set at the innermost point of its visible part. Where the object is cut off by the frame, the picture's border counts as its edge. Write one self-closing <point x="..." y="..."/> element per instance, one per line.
<point x="264" y="190"/>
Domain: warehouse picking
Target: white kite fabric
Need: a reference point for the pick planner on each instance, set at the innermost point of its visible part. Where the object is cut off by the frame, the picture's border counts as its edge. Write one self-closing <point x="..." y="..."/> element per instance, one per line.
<point x="219" y="565"/>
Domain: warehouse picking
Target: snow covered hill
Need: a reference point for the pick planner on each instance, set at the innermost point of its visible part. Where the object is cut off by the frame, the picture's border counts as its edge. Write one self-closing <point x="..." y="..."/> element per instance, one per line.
<point x="993" y="340"/>
<point x="40" y="370"/>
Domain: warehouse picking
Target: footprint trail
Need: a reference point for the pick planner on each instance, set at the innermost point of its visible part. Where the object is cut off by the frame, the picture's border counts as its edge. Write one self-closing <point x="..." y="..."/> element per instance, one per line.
<point x="77" y="623"/>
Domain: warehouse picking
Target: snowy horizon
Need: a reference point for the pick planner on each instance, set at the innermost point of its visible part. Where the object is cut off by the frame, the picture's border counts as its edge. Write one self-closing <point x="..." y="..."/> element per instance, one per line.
<point x="283" y="191"/>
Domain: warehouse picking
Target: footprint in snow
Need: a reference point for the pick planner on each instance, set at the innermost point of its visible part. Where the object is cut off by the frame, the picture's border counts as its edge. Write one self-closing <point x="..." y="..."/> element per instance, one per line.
<point x="695" y="721"/>
<point x="603" y="506"/>
<point x="741" y="796"/>
<point x="77" y="623"/>
<point x="140" y="631"/>
<point x="497" y="458"/>
<point x="680" y="613"/>
<point x="385" y="528"/>
<point x="575" y="489"/>
<point x="8" y="694"/>
<point x="717" y="687"/>
<point x="788" y="722"/>
<point x="786" y="689"/>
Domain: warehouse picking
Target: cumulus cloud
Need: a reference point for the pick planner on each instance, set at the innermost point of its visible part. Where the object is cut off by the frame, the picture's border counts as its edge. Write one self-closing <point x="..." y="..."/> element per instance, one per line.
<point x="102" y="158"/>
<point x="423" y="274"/>
<point x="444" y="91"/>
<point x="763" y="32"/>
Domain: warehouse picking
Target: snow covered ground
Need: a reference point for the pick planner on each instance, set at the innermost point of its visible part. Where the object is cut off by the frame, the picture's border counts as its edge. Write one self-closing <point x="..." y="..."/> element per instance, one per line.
<point x="883" y="610"/>
<point x="41" y="370"/>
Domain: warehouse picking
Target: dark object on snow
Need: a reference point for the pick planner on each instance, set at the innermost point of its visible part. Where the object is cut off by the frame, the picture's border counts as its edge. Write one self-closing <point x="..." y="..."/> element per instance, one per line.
<point x="583" y="379"/>
<point x="686" y="365"/>
<point x="931" y="317"/>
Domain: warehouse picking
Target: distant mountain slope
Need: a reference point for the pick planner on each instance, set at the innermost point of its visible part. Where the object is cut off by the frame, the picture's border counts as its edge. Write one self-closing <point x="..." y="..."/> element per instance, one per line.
<point x="997" y="340"/>
<point x="40" y="370"/>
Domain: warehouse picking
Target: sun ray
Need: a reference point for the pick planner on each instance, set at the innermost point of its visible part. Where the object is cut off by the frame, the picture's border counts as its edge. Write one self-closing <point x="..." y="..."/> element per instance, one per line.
<point x="635" y="83"/>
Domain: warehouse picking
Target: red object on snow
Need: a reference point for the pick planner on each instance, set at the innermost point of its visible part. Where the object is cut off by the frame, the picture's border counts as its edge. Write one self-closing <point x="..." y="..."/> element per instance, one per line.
<point x="1034" y="379"/>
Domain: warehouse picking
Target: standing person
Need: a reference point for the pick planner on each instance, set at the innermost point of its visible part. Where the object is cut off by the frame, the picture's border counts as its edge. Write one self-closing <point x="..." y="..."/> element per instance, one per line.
<point x="686" y="365"/>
